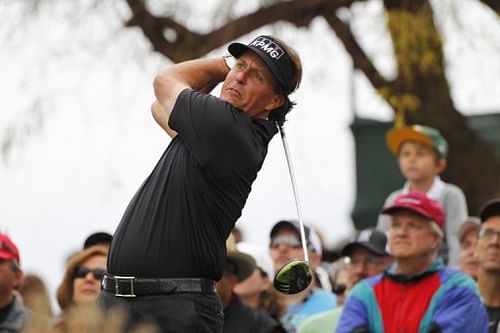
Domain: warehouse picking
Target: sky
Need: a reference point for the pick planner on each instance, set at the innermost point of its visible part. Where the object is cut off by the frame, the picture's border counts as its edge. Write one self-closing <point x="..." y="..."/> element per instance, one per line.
<point x="75" y="93"/>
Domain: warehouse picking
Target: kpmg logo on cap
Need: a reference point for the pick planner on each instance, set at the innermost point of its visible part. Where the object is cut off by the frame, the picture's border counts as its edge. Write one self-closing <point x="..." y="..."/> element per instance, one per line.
<point x="268" y="46"/>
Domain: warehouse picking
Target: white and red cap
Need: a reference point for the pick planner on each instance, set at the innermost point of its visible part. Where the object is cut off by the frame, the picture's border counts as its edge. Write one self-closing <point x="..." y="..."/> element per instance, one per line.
<point x="8" y="250"/>
<point x="419" y="203"/>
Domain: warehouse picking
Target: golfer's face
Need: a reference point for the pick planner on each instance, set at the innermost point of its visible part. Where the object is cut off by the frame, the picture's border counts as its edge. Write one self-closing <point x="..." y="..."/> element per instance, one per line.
<point x="249" y="86"/>
<point x="285" y="246"/>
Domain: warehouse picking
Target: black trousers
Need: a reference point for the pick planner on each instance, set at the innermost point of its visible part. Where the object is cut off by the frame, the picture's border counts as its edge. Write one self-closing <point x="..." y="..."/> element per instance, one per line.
<point x="183" y="313"/>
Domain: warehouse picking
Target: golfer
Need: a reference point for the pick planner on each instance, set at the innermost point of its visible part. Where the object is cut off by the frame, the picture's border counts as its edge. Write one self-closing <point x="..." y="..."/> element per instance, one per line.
<point x="169" y="248"/>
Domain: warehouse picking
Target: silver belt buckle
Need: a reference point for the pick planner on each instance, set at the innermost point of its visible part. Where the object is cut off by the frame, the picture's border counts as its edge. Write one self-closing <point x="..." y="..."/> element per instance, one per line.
<point x="130" y="279"/>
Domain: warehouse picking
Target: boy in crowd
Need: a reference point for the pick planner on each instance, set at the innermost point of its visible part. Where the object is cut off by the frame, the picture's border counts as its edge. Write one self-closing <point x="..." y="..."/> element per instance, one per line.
<point x="421" y="153"/>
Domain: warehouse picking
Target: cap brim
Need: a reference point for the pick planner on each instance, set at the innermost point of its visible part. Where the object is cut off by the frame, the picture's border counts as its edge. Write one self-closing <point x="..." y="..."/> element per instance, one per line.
<point x="396" y="136"/>
<point x="349" y="248"/>
<point x="245" y="264"/>
<point x="391" y="210"/>
<point x="284" y="225"/>
<point x="7" y="256"/>
<point x="237" y="49"/>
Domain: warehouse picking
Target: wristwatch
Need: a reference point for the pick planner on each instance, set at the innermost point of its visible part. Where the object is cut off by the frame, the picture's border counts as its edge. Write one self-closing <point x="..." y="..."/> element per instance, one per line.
<point x="229" y="61"/>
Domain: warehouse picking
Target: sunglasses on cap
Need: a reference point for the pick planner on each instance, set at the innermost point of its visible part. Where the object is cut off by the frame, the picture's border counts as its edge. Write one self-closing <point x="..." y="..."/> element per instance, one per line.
<point x="81" y="272"/>
<point x="289" y="241"/>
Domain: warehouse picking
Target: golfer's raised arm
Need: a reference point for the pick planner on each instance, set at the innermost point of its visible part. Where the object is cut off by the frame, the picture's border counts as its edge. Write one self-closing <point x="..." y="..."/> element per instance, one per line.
<point x="200" y="74"/>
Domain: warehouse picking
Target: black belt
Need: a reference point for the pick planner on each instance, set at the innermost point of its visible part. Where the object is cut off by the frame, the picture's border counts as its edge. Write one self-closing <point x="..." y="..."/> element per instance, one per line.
<point x="129" y="286"/>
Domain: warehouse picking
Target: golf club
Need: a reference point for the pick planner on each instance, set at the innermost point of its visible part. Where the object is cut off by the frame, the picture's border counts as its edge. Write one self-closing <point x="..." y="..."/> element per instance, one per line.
<point x="294" y="276"/>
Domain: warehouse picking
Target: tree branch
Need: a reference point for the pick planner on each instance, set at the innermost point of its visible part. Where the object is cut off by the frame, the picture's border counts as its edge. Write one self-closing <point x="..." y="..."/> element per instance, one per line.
<point x="359" y="57"/>
<point x="493" y="4"/>
<point x="187" y="44"/>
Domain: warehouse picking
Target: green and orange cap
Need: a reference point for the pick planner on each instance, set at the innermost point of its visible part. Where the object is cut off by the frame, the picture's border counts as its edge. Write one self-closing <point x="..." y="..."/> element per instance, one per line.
<point x="426" y="135"/>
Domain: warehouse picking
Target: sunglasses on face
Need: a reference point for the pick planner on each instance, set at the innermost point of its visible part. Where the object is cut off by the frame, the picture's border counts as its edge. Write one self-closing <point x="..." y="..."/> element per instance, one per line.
<point x="489" y="234"/>
<point x="289" y="241"/>
<point x="81" y="272"/>
<point x="369" y="261"/>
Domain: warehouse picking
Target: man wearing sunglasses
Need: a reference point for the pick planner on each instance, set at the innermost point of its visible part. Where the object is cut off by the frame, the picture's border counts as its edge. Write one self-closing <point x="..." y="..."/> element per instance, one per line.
<point x="488" y="256"/>
<point x="285" y="246"/>
<point x="169" y="248"/>
<point x="12" y="312"/>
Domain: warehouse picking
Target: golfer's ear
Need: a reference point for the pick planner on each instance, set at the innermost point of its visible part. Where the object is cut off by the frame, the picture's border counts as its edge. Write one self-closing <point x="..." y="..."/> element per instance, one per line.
<point x="275" y="102"/>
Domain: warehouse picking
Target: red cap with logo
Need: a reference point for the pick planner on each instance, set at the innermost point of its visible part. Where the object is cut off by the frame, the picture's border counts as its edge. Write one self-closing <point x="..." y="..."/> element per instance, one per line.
<point x="8" y="250"/>
<point x="419" y="203"/>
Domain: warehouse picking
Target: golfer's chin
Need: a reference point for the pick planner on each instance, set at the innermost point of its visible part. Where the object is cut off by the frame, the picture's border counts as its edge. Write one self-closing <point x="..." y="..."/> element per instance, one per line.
<point x="232" y="99"/>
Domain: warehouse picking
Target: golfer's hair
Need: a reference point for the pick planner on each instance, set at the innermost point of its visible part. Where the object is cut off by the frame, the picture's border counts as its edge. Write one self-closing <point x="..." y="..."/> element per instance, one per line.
<point x="278" y="115"/>
<point x="297" y="63"/>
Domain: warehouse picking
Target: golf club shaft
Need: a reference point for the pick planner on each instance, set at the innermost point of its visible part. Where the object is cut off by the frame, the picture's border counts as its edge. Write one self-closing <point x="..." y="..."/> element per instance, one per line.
<point x="295" y="192"/>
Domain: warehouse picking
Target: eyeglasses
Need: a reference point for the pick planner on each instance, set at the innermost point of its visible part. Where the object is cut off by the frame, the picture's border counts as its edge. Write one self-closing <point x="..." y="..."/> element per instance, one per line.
<point x="369" y="261"/>
<point x="81" y="272"/>
<point x="289" y="241"/>
<point x="489" y="234"/>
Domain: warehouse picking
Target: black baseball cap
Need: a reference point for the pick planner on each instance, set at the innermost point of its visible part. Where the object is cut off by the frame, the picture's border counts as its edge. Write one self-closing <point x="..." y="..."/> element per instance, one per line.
<point x="312" y="238"/>
<point x="489" y="209"/>
<point x="372" y="240"/>
<point x="240" y="264"/>
<point x="276" y="58"/>
<point x="100" y="237"/>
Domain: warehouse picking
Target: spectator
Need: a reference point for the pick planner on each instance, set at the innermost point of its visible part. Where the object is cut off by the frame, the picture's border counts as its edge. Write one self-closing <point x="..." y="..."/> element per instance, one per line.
<point x="98" y="238"/>
<point x="488" y="255"/>
<point x="237" y="316"/>
<point x="81" y="283"/>
<point x="13" y="315"/>
<point x="367" y="257"/>
<point x="421" y="153"/>
<point x="35" y="295"/>
<point x="467" y="236"/>
<point x="340" y="279"/>
<point x="257" y="288"/>
<point x="285" y="245"/>
<point x="417" y="292"/>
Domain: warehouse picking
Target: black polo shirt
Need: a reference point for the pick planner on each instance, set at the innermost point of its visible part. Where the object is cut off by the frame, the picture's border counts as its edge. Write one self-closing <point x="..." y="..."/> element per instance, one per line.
<point x="177" y="223"/>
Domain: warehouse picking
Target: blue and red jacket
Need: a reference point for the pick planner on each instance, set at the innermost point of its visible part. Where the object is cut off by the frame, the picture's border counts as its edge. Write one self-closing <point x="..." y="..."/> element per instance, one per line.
<point x="440" y="299"/>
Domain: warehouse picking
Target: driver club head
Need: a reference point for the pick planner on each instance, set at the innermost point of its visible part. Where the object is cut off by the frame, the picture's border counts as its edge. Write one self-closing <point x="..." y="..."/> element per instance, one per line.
<point x="294" y="277"/>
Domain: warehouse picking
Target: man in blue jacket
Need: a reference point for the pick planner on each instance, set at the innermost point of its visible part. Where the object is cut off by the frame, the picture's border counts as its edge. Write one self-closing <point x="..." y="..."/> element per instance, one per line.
<point x="417" y="293"/>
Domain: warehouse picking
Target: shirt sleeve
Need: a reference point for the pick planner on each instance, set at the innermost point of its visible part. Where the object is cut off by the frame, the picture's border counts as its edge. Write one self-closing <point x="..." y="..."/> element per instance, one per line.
<point x="204" y="122"/>
<point x="456" y="214"/>
<point x="354" y="317"/>
<point x="460" y="310"/>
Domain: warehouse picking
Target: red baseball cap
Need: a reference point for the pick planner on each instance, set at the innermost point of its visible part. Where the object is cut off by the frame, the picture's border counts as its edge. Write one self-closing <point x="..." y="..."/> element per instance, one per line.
<point x="8" y="250"/>
<point x="419" y="203"/>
